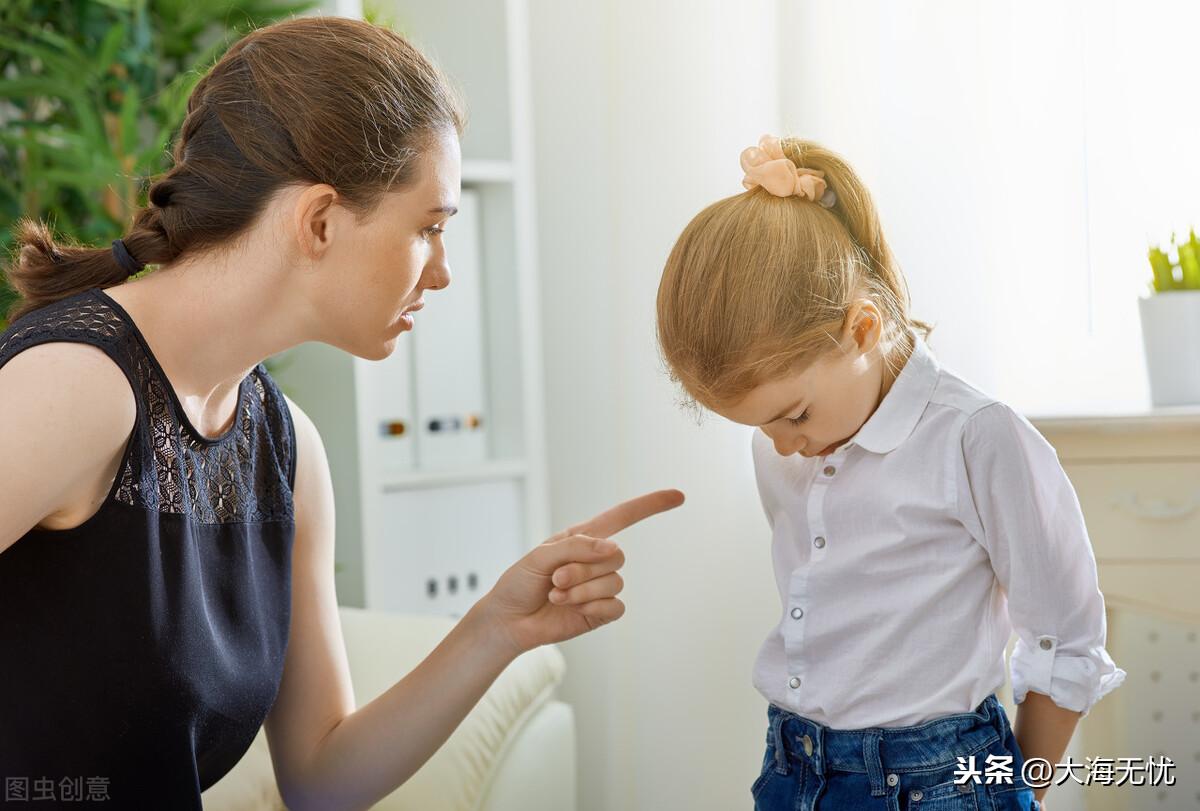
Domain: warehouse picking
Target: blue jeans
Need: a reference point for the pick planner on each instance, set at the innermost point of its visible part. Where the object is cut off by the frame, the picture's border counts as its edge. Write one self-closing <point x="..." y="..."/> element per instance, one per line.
<point x="812" y="767"/>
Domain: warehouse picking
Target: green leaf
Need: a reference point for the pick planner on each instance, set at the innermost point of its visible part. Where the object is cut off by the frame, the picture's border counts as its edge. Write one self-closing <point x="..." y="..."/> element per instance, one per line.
<point x="98" y="90"/>
<point x="106" y="55"/>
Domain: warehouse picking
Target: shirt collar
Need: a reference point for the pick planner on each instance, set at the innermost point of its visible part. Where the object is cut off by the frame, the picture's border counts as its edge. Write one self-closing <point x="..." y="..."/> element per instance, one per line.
<point x="901" y="408"/>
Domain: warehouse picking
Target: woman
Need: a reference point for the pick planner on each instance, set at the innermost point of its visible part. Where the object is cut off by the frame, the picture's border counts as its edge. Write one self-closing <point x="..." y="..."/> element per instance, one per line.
<point x="166" y="520"/>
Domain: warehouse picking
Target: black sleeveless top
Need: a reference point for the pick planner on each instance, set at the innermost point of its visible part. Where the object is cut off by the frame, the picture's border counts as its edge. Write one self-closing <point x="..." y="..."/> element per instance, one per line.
<point x="141" y="651"/>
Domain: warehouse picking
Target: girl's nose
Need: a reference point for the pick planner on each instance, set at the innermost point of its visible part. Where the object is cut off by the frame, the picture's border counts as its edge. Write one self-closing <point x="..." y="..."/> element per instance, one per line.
<point x="787" y="448"/>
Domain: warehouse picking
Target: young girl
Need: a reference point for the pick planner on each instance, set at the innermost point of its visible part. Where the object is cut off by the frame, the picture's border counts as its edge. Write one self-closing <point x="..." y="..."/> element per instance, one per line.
<point x="916" y="520"/>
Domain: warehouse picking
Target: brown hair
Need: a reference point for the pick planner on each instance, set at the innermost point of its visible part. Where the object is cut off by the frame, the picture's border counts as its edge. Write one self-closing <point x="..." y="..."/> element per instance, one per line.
<point x="755" y="283"/>
<point x="305" y="100"/>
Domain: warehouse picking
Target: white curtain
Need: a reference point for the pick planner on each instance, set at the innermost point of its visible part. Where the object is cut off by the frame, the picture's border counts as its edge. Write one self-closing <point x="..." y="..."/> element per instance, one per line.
<point x="1023" y="155"/>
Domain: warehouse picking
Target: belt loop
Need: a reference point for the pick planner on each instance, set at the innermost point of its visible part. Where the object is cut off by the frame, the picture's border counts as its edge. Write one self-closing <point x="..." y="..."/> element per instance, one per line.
<point x="820" y="760"/>
<point x="781" y="755"/>
<point x="987" y="708"/>
<point x="871" y="742"/>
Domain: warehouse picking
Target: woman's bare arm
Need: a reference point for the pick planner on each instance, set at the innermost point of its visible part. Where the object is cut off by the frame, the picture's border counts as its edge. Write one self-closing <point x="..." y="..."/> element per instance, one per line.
<point x="327" y="753"/>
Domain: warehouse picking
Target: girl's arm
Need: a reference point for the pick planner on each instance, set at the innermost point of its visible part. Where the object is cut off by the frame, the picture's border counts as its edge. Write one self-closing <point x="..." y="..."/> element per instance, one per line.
<point x="1043" y="730"/>
<point x="328" y="754"/>
<point x="1016" y="500"/>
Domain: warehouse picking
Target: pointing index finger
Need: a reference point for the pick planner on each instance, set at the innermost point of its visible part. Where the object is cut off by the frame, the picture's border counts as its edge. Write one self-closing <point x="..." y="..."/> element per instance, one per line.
<point x="628" y="513"/>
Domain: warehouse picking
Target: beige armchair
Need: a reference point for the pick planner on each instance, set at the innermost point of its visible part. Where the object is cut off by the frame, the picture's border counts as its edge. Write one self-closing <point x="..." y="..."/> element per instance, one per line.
<point x="515" y="751"/>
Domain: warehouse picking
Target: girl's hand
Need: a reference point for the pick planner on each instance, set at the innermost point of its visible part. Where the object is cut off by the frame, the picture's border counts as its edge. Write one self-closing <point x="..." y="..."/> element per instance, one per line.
<point x="568" y="584"/>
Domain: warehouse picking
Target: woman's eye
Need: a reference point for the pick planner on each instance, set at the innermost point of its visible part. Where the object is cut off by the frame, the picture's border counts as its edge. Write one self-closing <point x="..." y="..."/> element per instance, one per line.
<point x="797" y="420"/>
<point x="434" y="230"/>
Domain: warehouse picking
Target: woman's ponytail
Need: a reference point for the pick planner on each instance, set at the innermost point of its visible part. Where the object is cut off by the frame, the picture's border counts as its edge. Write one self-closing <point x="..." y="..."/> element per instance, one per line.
<point x="44" y="271"/>
<point x="305" y="100"/>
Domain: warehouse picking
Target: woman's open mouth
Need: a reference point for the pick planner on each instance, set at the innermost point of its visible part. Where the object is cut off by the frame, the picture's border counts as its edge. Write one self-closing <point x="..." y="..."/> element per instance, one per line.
<point x="406" y="317"/>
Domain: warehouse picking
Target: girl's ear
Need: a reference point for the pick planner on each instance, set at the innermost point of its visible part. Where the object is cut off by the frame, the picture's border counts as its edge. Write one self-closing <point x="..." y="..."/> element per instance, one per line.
<point x="864" y="324"/>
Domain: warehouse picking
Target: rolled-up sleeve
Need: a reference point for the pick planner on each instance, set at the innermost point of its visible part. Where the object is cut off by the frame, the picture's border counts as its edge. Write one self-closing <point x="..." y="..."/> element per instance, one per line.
<point x="1017" y="501"/>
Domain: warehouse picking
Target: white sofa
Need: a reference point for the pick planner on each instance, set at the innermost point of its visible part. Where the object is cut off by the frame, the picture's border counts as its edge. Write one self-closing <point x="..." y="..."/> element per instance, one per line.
<point x="515" y="751"/>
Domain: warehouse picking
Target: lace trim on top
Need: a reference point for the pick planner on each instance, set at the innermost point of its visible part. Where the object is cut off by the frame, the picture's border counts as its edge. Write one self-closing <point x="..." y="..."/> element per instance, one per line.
<point x="244" y="475"/>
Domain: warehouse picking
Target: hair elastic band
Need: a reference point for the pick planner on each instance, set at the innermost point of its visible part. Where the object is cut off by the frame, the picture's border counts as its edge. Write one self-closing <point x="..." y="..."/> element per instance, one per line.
<point x="765" y="165"/>
<point x="125" y="258"/>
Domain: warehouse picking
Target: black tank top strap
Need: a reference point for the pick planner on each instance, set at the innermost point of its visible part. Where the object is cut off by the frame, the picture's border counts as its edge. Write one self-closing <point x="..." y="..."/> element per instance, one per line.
<point x="81" y="318"/>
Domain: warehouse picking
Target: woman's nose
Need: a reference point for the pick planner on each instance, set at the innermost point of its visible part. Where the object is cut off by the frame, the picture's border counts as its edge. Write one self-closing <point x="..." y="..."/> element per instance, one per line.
<point x="438" y="275"/>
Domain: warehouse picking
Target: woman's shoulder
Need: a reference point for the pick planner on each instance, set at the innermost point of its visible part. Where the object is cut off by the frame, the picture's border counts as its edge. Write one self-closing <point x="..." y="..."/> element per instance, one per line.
<point x="69" y="365"/>
<point x="68" y="412"/>
<point x="66" y="358"/>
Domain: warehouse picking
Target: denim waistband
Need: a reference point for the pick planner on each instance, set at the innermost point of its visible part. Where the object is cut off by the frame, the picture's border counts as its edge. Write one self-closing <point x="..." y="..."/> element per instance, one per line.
<point x="878" y="750"/>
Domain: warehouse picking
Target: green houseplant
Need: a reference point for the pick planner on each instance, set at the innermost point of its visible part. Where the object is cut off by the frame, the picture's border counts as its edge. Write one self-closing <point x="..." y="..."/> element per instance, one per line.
<point x="1170" y="318"/>
<point x="1181" y="274"/>
<point x="91" y="94"/>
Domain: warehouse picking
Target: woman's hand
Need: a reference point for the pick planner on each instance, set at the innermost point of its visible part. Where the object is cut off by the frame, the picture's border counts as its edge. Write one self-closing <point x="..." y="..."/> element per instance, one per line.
<point x="568" y="585"/>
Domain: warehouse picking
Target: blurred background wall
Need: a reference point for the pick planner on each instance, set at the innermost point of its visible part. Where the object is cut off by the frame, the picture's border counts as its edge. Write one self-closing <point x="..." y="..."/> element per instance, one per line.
<point x="641" y="110"/>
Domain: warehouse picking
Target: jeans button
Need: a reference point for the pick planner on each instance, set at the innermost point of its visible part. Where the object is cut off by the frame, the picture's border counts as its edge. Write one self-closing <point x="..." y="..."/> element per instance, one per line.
<point x="893" y="779"/>
<point x="916" y="795"/>
<point x="808" y="747"/>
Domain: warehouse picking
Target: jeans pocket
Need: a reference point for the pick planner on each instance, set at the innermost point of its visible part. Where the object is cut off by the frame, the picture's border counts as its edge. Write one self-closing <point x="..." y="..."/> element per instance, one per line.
<point x="768" y="769"/>
<point x="756" y="789"/>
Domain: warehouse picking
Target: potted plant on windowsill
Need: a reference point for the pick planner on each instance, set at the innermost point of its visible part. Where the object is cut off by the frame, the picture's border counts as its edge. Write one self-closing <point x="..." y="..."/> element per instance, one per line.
<point x="1170" y="316"/>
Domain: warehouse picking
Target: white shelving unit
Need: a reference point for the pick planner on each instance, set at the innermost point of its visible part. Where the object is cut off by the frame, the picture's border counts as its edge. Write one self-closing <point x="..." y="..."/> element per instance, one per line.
<point x="435" y="539"/>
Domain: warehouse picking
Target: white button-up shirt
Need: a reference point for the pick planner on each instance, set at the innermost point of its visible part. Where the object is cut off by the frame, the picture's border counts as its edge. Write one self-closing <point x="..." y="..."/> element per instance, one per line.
<point x="905" y="559"/>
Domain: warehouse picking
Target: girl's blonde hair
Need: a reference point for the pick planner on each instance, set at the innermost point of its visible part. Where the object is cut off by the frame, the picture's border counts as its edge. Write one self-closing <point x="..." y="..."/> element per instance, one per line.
<point x="759" y="285"/>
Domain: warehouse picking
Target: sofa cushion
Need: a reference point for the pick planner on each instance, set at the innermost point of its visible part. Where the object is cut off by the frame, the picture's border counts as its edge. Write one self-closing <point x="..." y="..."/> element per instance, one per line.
<point x="455" y="777"/>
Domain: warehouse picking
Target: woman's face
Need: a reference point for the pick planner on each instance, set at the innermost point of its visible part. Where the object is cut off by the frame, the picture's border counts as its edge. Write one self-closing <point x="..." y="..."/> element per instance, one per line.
<point x="811" y="412"/>
<point x="373" y="274"/>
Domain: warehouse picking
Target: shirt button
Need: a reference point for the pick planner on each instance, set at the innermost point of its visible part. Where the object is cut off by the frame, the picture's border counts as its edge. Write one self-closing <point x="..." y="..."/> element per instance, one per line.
<point x="819" y="542"/>
<point x="830" y="470"/>
<point x="916" y="795"/>
<point x="1046" y="644"/>
<point x="797" y="613"/>
<point x="794" y="682"/>
<point x="892" y="779"/>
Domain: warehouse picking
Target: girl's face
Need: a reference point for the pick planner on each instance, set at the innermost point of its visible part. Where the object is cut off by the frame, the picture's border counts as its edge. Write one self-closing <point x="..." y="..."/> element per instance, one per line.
<point x="812" y="412"/>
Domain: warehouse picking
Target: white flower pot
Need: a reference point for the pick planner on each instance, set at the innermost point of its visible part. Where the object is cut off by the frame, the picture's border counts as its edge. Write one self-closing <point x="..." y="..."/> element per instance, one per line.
<point x="1171" y="338"/>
